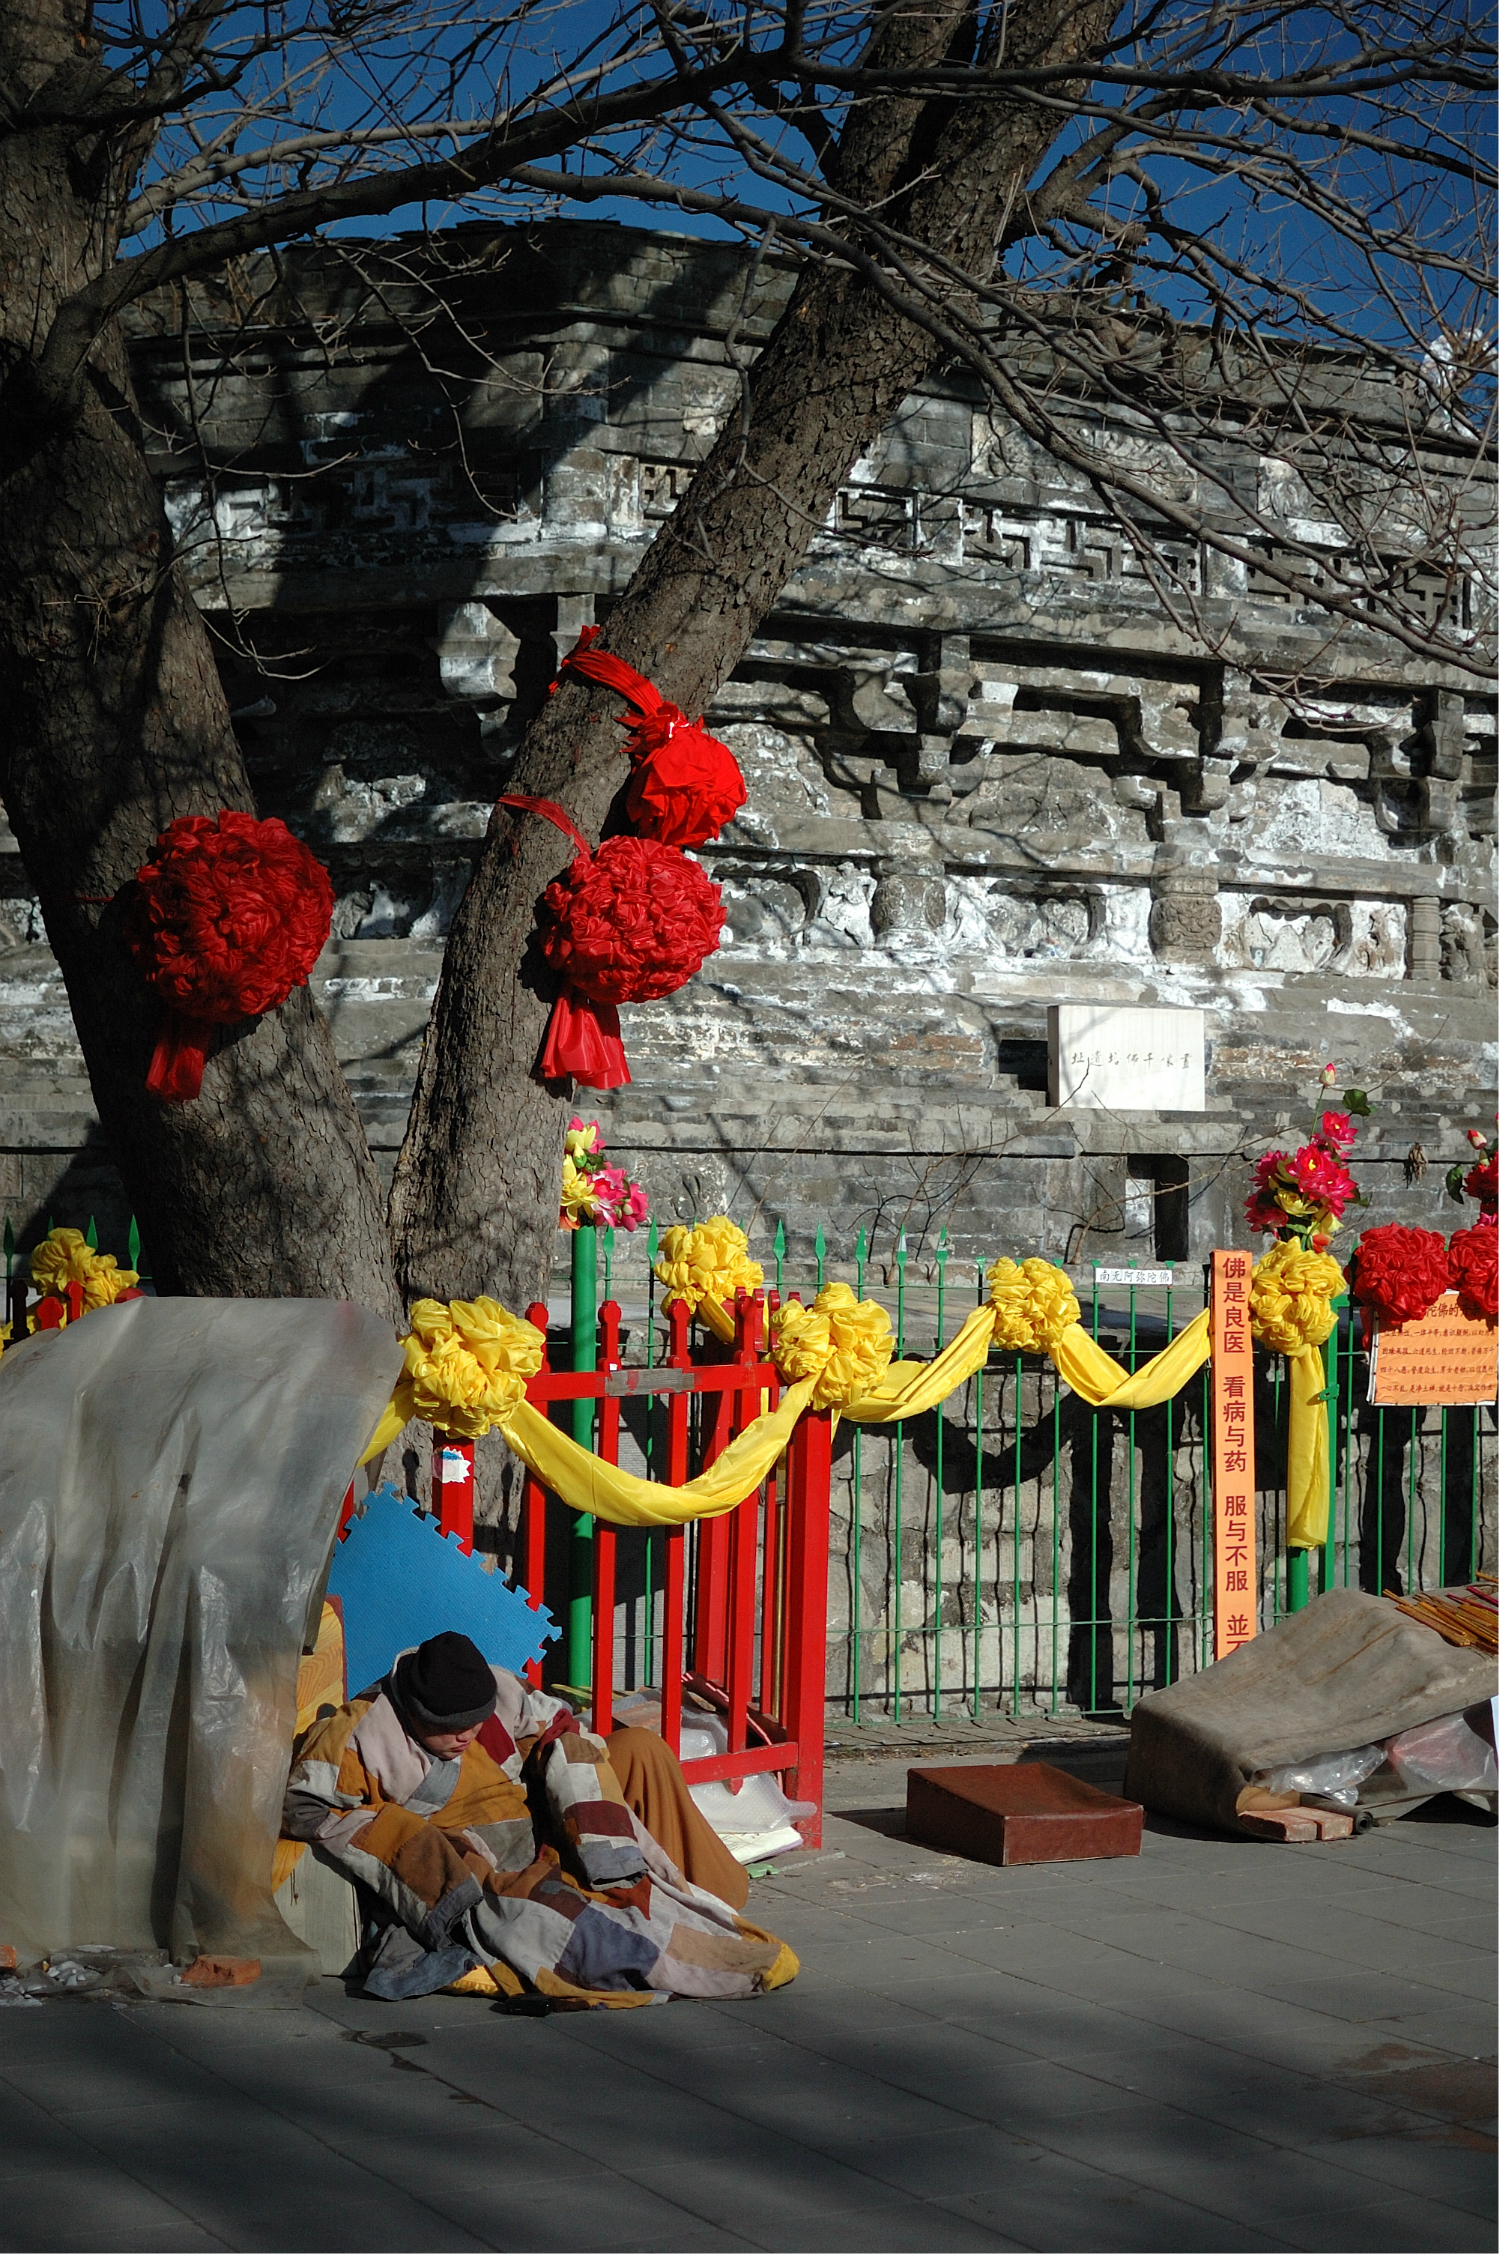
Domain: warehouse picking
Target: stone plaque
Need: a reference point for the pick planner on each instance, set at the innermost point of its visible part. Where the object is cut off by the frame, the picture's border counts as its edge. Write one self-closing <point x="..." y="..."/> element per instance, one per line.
<point x="1101" y="1058"/>
<point x="1447" y="1360"/>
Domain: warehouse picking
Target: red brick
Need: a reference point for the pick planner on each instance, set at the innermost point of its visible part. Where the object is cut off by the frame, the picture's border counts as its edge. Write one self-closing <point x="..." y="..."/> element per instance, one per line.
<point x="1019" y="1812"/>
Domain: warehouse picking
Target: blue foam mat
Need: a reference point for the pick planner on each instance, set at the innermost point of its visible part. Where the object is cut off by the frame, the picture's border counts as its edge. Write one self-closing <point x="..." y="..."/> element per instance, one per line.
<point x="400" y="1580"/>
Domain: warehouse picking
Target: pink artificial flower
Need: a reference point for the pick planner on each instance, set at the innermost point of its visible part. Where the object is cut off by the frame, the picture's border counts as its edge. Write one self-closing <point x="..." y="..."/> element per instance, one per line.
<point x="635" y="1210"/>
<point x="1338" y="1129"/>
<point x="610" y="1188"/>
<point x="1479" y="1141"/>
<point x="1329" y="1075"/>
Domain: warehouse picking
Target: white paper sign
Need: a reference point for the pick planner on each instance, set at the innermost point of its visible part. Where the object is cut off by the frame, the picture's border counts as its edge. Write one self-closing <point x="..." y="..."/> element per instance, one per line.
<point x="1102" y="1058"/>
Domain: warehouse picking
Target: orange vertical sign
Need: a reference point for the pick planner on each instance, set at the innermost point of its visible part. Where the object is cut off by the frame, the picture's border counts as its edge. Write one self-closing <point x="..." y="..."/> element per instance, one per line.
<point x="1235" y="1580"/>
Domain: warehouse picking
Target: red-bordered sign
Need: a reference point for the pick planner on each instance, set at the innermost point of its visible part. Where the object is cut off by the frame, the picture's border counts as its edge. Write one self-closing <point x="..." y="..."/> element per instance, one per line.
<point x="1235" y="1577"/>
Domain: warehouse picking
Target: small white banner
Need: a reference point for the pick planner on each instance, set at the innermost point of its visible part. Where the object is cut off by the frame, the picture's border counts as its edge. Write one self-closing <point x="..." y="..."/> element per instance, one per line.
<point x="1152" y="1276"/>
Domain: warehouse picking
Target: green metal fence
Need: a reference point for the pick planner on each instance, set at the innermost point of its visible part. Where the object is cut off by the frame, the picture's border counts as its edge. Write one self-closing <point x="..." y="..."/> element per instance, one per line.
<point x="1019" y="1551"/>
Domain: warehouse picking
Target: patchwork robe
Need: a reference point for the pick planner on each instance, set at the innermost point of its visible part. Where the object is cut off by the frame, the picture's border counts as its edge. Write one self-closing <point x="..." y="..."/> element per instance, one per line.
<point x="592" y="1911"/>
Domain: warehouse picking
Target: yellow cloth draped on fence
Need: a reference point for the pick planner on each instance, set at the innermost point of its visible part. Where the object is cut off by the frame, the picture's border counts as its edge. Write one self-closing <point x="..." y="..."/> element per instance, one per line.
<point x="466" y="1366"/>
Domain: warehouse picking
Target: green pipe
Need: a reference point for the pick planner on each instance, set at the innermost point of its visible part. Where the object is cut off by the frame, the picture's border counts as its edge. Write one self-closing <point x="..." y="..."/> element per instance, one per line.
<point x="1296" y="1580"/>
<point x="585" y="1336"/>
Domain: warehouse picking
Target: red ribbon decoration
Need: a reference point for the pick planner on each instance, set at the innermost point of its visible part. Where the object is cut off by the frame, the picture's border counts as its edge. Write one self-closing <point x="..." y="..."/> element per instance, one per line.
<point x="630" y="923"/>
<point x="228" y="915"/>
<point x="686" y="784"/>
<point x="177" y="1061"/>
<point x="582" y="1037"/>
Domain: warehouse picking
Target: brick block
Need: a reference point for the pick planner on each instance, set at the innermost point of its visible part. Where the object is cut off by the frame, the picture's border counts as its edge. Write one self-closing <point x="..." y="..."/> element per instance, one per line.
<point x="1297" y="1824"/>
<point x="1019" y="1812"/>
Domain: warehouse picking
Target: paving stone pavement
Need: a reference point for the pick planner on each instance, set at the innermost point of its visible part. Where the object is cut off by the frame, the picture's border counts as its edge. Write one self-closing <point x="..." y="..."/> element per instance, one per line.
<point x="1218" y="2045"/>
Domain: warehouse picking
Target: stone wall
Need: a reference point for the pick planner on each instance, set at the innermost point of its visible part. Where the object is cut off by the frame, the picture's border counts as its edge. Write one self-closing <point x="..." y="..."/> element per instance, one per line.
<point x="993" y="763"/>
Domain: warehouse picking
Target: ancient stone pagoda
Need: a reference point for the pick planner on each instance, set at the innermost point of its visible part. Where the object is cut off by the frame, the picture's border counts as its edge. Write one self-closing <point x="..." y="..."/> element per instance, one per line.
<point x="993" y="763"/>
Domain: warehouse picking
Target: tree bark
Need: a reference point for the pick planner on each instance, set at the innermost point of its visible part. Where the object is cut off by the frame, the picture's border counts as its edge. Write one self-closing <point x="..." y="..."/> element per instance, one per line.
<point x="474" y="1202"/>
<point x="116" y="723"/>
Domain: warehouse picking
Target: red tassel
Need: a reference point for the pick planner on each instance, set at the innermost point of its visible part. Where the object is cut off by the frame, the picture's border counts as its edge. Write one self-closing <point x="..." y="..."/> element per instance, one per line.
<point x="583" y="1040"/>
<point x="176" y="1074"/>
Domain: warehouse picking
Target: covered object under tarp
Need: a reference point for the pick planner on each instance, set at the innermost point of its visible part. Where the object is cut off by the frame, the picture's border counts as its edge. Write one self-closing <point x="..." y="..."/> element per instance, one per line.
<point x="170" y="1479"/>
<point x="1349" y="1671"/>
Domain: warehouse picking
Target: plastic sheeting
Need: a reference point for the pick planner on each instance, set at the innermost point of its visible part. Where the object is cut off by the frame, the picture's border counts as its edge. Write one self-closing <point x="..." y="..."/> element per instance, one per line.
<point x="1348" y="1672"/>
<point x="170" y="1479"/>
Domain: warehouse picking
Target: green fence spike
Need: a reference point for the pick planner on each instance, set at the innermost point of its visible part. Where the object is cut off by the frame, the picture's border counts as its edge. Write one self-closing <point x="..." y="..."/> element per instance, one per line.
<point x="861" y="1255"/>
<point x="779" y="1249"/>
<point x="134" y="1241"/>
<point x="91" y="1234"/>
<point x="820" y="1246"/>
<point x="652" y="1239"/>
<point x="901" y="1255"/>
<point x="943" y="1252"/>
<point x="608" y="1236"/>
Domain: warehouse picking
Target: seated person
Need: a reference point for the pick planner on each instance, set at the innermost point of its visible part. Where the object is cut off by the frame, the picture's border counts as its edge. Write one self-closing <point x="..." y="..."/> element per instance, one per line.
<point x="502" y="1848"/>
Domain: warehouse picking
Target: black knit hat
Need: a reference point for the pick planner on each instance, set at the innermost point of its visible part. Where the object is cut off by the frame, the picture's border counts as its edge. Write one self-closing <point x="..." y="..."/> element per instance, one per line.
<point x="446" y="1683"/>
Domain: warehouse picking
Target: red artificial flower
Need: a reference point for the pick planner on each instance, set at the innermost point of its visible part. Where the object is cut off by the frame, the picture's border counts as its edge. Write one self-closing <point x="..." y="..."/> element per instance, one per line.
<point x="228" y="917"/>
<point x="1400" y="1274"/>
<point x="632" y="922"/>
<point x="1482" y="1183"/>
<point x="1339" y="1130"/>
<point x="1473" y="1268"/>
<point x="1261" y="1212"/>
<point x="686" y="784"/>
<point x="1323" y="1179"/>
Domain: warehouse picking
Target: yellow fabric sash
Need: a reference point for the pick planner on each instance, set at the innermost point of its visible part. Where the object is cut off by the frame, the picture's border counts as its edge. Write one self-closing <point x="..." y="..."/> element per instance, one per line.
<point x="907" y="1389"/>
<point x="585" y="1483"/>
<point x="1307" y="1498"/>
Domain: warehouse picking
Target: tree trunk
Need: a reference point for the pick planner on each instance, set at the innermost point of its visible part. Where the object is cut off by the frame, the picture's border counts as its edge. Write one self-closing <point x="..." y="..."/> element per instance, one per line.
<point x="115" y="724"/>
<point x="474" y="1204"/>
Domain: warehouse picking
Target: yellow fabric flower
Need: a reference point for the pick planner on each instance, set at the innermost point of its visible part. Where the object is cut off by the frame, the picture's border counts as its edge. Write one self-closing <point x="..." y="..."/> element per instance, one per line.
<point x="579" y="1199"/>
<point x="710" y="1261"/>
<point x="65" y="1257"/>
<point x="1033" y="1304"/>
<point x="1290" y="1298"/>
<point x="844" y="1343"/>
<point x="466" y="1364"/>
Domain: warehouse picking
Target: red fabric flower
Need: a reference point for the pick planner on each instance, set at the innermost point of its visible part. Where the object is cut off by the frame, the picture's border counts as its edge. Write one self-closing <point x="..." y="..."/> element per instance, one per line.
<point x="1323" y="1179"/>
<point x="1338" y="1130"/>
<point x="228" y="917"/>
<point x="686" y="784"/>
<point x="631" y="922"/>
<point x="1400" y="1274"/>
<point x="1473" y="1267"/>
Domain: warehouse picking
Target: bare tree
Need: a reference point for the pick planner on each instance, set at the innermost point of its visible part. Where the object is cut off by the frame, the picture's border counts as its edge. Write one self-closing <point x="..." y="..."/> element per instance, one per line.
<point x="1222" y="220"/>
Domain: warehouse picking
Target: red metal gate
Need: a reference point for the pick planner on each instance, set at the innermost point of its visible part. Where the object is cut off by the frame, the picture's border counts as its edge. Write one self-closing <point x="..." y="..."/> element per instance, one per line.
<point x="744" y="1596"/>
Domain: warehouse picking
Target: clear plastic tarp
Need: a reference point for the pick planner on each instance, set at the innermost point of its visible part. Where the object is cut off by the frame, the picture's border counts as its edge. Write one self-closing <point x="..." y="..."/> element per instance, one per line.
<point x="171" y="1472"/>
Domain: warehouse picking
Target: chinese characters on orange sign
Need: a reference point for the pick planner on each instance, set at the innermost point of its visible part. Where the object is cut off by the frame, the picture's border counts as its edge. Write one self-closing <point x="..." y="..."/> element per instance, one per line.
<point x="1235" y="1582"/>
<point x="1445" y="1359"/>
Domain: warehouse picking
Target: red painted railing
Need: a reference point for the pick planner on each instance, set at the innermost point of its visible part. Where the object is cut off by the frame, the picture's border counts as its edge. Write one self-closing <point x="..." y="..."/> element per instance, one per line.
<point x="743" y="1597"/>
